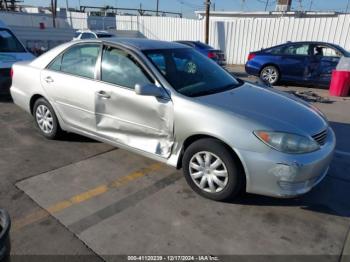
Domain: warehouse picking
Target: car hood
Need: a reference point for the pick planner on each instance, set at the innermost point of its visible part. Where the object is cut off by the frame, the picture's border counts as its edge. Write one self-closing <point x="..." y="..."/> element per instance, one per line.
<point x="269" y="109"/>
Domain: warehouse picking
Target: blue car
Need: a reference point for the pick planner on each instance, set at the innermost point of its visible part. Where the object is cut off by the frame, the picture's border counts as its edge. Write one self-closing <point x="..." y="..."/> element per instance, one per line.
<point x="215" y="54"/>
<point x="297" y="62"/>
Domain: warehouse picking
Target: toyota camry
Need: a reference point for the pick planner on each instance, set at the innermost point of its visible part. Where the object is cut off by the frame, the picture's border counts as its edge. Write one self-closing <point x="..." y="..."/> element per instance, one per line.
<point x="168" y="102"/>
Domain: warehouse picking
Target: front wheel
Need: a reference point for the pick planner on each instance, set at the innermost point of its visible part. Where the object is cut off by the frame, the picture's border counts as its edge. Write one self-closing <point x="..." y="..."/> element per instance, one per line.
<point x="211" y="170"/>
<point x="270" y="75"/>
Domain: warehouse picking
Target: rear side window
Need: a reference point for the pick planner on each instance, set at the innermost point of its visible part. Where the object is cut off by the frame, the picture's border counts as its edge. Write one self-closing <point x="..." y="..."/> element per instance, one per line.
<point x="9" y="43"/>
<point x="301" y="49"/>
<point x="202" y="45"/>
<point x="275" y="50"/>
<point x="120" y="68"/>
<point x="79" y="60"/>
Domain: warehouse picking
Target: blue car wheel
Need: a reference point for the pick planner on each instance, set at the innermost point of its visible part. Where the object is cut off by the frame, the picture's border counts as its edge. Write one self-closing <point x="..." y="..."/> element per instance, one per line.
<point x="270" y="74"/>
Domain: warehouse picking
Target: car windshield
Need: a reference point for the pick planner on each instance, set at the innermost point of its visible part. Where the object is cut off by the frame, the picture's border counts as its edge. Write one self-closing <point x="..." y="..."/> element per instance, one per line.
<point x="190" y="73"/>
<point x="9" y="43"/>
<point x="344" y="51"/>
<point x="103" y="35"/>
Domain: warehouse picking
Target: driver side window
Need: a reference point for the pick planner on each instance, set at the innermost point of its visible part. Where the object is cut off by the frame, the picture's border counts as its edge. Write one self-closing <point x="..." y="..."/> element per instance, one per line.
<point x="299" y="49"/>
<point x="120" y="68"/>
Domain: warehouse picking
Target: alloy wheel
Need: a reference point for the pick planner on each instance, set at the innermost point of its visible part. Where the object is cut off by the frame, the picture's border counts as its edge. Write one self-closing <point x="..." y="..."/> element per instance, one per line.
<point x="44" y="119"/>
<point x="270" y="75"/>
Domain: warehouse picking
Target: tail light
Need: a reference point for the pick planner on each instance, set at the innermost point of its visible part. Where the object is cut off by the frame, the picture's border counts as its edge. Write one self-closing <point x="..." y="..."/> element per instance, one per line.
<point x="212" y="55"/>
<point x="11" y="72"/>
<point x="251" y="56"/>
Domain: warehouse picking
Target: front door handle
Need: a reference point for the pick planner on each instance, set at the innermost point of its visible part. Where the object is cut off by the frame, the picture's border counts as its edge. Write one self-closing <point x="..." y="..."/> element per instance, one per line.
<point x="103" y="94"/>
<point x="49" y="79"/>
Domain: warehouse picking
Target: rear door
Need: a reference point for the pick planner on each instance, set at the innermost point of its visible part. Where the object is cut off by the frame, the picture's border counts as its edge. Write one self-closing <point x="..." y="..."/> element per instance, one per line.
<point x="295" y="62"/>
<point x="70" y="83"/>
<point x="140" y="122"/>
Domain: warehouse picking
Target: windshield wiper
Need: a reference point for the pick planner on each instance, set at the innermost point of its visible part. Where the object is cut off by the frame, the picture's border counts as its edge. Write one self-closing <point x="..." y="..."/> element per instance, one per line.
<point x="219" y="90"/>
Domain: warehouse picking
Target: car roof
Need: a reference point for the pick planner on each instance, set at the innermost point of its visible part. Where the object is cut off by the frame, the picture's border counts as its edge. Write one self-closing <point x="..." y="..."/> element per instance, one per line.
<point x="93" y="31"/>
<point x="310" y="42"/>
<point x="143" y="43"/>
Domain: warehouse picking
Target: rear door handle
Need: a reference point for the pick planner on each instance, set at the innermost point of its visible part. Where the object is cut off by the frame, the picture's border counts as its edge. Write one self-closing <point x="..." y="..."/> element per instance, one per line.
<point x="49" y="79"/>
<point x="103" y="94"/>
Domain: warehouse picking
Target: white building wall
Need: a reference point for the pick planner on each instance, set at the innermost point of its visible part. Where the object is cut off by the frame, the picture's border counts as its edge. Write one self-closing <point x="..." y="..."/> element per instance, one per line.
<point x="239" y="36"/>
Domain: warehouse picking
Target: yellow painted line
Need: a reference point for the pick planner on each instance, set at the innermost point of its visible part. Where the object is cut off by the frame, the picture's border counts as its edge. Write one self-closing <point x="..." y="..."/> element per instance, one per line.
<point x="82" y="197"/>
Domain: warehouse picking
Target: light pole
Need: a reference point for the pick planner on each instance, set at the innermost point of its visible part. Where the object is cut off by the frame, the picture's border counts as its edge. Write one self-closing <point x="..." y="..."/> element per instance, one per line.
<point x="267" y="3"/>
<point x="207" y="17"/>
<point x="157" y="7"/>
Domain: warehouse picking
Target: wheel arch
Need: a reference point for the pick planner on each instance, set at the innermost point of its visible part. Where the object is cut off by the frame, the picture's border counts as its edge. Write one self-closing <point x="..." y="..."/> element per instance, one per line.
<point x="193" y="138"/>
<point x="32" y="101"/>
<point x="271" y="64"/>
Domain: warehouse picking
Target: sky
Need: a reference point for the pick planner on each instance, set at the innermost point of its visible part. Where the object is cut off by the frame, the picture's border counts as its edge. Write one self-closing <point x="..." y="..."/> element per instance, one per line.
<point x="189" y="6"/>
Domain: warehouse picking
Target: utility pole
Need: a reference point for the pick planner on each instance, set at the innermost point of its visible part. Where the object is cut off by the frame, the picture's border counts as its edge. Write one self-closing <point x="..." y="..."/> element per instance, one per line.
<point x="311" y="3"/>
<point x="267" y="3"/>
<point x="207" y="18"/>
<point x="53" y="10"/>
<point x="157" y="7"/>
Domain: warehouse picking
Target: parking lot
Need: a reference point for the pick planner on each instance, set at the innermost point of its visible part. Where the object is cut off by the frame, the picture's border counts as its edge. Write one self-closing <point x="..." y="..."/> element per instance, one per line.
<point x="77" y="196"/>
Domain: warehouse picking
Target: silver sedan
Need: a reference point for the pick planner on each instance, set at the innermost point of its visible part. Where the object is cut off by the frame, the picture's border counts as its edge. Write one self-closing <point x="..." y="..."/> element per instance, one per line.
<point x="170" y="103"/>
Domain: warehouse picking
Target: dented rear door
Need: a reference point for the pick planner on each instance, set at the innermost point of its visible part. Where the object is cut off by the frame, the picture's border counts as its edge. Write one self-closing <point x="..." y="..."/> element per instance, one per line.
<point x="141" y="122"/>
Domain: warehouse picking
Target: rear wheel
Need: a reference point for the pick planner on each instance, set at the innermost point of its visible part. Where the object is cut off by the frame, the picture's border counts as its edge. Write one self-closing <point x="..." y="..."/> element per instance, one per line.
<point x="270" y="74"/>
<point x="211" y="170"/>
<point x="46" y="119"/>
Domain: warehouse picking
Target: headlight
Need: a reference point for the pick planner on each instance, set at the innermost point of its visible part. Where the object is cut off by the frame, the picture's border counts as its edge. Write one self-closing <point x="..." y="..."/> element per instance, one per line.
<point x="287" y="143"/>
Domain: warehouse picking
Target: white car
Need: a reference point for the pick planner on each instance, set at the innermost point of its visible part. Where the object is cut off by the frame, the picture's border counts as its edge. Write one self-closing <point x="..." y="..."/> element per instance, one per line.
<point x="88" y="34"/>
<point x="11" y="51"/>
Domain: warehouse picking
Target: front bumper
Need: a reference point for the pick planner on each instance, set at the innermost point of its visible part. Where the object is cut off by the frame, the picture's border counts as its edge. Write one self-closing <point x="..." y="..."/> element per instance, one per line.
<point x="287" y="175"/>
<point x="5" y="224"/>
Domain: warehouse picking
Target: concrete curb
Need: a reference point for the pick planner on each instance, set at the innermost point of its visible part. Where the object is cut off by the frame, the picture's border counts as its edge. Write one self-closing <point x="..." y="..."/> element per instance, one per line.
<point x="345" y="256"/>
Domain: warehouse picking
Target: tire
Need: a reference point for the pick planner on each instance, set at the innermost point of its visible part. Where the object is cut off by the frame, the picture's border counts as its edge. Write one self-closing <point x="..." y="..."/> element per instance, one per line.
<point x="270" y="74"/>
<point x="46" y="119"/>
<point x="228" y="187"/>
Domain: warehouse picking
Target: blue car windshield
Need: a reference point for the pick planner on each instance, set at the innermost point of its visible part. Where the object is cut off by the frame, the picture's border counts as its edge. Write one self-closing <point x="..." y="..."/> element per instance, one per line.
<point x="345" y="52"/>
<point x="191" y="73"/>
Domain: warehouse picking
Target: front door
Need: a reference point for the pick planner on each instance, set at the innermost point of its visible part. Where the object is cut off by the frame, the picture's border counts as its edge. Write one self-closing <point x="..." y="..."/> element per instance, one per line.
<point x="296" y="59"/>
<point x="326" y="59"/>
<point x="141" y="122"/>
<point x="70" y="82"/>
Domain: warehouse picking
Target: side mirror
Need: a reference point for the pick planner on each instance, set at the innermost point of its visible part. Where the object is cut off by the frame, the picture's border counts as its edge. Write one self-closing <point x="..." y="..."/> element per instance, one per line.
<point x="149" y="90"/>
